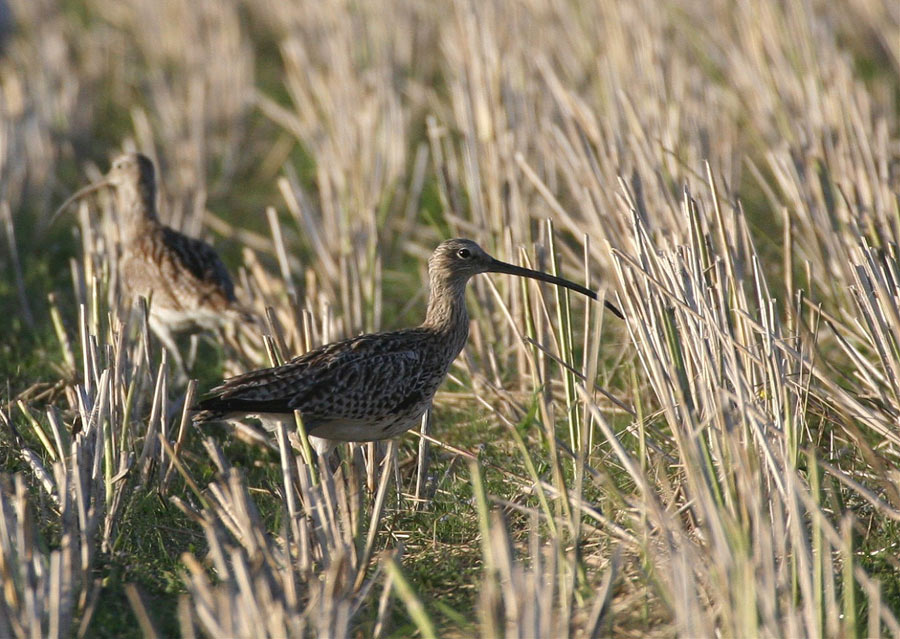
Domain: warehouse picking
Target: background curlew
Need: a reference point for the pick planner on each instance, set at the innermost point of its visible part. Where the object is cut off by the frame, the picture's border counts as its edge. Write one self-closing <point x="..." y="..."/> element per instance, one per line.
<point x="185" y="280"/>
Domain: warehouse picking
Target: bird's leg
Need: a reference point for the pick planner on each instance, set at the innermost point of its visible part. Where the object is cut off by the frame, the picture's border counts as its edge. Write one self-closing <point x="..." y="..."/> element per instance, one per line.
<point x="164" y="335"/>
<point x="397" y="483"/>
<point x="325" y="449"/>
<point x="192" y="351"/>
<point x="422" y="462"/>
<point x="321" y="445"/>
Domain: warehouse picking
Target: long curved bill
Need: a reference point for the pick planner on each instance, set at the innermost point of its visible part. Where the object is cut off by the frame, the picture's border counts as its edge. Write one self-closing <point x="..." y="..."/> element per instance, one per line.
<point x="496" y="266"/>
<point x="80" y="193"/>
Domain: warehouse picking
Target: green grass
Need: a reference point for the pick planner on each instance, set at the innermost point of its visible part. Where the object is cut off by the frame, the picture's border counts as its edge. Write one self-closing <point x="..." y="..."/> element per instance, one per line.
<point x="152" y="537"/>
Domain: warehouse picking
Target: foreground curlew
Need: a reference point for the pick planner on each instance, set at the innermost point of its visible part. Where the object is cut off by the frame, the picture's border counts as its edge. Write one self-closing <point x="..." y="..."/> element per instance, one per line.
<point x="373" y="386"/>
<point x="188" y="285"/>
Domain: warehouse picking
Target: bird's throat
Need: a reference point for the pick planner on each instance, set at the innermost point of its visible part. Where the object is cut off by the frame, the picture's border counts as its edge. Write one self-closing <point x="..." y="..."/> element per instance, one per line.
<point x="447" y="315"/>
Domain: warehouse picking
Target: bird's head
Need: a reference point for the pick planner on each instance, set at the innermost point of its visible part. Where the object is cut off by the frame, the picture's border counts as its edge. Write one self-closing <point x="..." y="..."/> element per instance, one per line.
<point x="455" y="261"/>
<point x="132" y="169"/>
<point x="133" y="179"/>
<point x="459" y="259"/>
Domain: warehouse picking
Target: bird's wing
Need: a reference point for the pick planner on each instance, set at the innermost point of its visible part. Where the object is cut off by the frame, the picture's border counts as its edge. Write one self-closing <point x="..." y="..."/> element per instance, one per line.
<point x="198" y="276"/>
<point x="361" y="378"/>
<point x="142" y="275"/>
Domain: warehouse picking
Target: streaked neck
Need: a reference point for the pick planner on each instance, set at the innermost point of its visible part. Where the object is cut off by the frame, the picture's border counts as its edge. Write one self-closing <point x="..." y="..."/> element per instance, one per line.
<point x="447" y="306"/>
<point x="136" y="208"/>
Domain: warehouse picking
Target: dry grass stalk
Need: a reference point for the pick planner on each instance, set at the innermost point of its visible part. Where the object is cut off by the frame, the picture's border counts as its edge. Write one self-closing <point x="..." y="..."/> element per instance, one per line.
<point x="311" y="576"/>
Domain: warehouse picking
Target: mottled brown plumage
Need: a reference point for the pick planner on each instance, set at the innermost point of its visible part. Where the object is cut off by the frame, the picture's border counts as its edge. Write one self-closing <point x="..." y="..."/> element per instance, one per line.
<point x="188" y="285"/>
<point x="374" y="386"/>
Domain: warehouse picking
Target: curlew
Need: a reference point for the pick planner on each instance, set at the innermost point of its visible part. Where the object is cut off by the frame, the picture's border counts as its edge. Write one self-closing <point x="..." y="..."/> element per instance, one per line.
<point x="373" y="386"/>
<point x="188" y="285"/>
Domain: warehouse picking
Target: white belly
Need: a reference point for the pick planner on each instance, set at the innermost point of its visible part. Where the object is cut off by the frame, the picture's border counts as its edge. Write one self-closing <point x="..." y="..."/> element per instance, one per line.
<point x="179" y="321"/>
<point x="328" y="435"/>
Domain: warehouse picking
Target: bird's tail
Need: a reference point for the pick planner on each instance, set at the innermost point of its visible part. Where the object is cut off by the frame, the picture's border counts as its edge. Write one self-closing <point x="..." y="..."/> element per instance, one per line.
<point x="202" y="415"/>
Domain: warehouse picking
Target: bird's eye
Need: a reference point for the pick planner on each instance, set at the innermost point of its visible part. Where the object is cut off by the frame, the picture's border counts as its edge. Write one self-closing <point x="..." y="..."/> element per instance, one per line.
<point x="464" y="253"/>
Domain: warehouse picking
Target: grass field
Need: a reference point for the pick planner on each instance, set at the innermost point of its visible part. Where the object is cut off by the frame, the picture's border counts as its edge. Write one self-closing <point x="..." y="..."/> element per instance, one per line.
<point x="723" y="463"/>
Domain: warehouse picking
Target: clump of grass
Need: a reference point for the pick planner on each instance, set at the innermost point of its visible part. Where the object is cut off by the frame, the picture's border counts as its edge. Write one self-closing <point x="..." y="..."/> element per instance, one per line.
<point x="312" y="576"/>
<point x="82" y="476"/>
<point x="747" y="485"/>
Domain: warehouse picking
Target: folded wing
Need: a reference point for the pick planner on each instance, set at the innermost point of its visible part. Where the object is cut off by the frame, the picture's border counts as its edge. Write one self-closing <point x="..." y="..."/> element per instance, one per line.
<point x="361" y="379"/>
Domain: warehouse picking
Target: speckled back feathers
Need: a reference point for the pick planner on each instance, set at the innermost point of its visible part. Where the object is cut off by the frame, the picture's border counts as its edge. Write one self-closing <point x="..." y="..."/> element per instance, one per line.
<point x="180" y="272"/>
<point x="383" y="380"/>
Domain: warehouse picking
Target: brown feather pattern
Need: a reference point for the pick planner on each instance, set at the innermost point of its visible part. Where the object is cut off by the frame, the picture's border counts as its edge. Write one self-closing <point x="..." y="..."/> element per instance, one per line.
<point x="182" y="273"/>
<point x="385" y="380"/>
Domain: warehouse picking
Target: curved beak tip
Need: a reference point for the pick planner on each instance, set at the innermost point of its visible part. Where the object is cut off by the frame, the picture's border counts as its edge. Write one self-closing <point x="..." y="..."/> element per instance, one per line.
<point x="77" y="195"/>
<point x="614" y="309"/>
